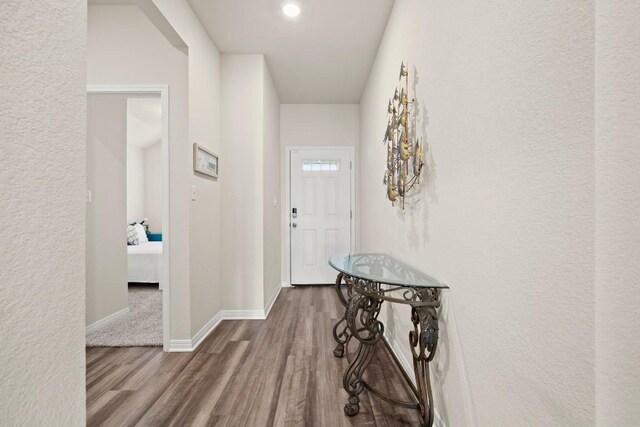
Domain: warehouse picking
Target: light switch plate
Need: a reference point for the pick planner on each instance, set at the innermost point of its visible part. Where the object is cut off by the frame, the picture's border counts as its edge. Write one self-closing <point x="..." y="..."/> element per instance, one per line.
<point x="193" y="192"/>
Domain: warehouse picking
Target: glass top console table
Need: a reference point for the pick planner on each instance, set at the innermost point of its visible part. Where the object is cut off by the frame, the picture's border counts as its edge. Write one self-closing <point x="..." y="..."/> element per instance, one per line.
<point x="364" y="282"/>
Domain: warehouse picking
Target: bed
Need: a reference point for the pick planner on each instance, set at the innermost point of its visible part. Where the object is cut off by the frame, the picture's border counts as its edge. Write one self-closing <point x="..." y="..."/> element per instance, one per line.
<point x="144" y="262"/>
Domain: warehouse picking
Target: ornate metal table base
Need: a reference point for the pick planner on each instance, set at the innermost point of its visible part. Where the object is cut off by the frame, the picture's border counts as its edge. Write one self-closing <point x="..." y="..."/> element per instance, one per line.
<point x="341" y="332"/>
<point x="363" y="300"/>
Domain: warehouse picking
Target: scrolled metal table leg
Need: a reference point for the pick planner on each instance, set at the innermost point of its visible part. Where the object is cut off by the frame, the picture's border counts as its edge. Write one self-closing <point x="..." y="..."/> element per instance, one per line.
<point x="368" y="332"/>
<point x="341" y="333"/>
<point x="424" y="341"/>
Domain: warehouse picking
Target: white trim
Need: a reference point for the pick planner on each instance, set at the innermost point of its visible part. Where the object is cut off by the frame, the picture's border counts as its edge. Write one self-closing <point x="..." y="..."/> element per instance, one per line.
<point x="243" y="314"/>
<point x="126" y="89"/>
<point x="404" y="363"/>
<point x="287" y="188"/>
<point x="179" y="346"/>
<point x="165" y="274"/>
<point x="286" y="284"/>
<point x="211" y="325"/>
<point x="99" y="324"/>
<point x="269" y="305"/>
<point x="206" y="330"/>
<point x="192" y="344"/>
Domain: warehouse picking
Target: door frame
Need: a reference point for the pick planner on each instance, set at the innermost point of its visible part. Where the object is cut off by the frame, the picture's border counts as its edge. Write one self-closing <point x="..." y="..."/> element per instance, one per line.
<point x="287" y="189"/>
<point x="163" y="91"/>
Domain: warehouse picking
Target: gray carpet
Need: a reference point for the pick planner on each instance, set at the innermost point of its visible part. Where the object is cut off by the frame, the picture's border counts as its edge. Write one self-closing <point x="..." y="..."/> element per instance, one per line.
<point x="141" y="327"/>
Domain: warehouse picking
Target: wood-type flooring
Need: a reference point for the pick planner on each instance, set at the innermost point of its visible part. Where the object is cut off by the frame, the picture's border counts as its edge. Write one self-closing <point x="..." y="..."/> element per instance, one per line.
<point x="275" y="372"/>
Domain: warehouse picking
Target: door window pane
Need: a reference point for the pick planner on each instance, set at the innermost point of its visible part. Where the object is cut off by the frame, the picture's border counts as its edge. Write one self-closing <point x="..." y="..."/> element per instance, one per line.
<point x="320" y="165"/>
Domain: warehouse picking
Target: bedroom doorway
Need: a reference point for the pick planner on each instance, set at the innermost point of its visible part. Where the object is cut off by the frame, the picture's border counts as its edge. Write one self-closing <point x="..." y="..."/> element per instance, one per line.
<point x="127" y="281"/>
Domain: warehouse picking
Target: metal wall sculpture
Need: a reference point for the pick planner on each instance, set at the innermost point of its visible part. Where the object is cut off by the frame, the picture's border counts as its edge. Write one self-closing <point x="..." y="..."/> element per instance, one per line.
<point x="404" y="151"/>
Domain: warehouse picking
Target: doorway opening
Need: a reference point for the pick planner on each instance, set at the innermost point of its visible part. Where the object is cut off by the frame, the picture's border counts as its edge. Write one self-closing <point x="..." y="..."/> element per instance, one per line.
<point x="320" y="204"/>
<point x="127" y="280"/>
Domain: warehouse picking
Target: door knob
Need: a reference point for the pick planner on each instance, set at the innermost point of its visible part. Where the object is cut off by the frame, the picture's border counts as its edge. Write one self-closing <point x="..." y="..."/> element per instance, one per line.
<point x="294" y="225"/>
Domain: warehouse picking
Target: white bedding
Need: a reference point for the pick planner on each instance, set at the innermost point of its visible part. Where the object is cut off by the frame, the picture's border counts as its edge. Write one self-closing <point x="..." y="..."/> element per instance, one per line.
<point x="144" y="261"/>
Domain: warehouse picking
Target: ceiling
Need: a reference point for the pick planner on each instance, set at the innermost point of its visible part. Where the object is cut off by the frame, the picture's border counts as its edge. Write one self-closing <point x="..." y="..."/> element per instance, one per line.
<point x="321" y="57"/>
<point x="144" y="121"/>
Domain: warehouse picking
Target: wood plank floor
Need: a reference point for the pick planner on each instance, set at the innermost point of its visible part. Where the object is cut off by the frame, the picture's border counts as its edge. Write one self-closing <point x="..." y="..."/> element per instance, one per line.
<point x="274" y="372"/>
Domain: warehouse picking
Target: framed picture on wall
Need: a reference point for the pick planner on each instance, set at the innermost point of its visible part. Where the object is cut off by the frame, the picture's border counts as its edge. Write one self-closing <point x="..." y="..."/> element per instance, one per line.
<point x="205" y="161"/>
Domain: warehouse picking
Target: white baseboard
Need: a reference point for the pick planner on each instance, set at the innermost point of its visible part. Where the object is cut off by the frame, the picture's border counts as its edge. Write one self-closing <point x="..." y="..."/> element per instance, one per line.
<point x="106" y="320"/>
<point x="286" y="284"/>
<point x="193" y="343"/>
<point x="206" y="330"/>
<point x="272" y="300"/>
<point x="395" y="348"/>
<point x="176" y="346"/>
<point x="243" y="315"/>
<point x="408" y="368"/>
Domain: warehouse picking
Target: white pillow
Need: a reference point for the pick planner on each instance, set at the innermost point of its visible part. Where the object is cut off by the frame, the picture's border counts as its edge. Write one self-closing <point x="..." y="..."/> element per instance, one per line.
<point x="132" y="235"/>
<point x="142" y="234"/>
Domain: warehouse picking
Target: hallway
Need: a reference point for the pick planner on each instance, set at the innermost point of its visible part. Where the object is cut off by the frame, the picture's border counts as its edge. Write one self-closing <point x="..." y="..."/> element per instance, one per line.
<point x="472" y="164"/>
<point x="278" y="371"/>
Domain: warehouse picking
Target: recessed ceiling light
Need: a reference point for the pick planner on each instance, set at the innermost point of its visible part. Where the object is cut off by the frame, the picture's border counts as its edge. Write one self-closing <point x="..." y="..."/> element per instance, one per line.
<point x="291" y="9"/>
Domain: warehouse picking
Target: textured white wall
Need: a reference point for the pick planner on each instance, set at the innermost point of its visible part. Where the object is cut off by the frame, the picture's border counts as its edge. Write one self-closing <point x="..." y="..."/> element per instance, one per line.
<point x="241" y="172"/>
<point x="42" y="185"/>
<point x="107" y="178"/>
<point x="144" y="185"/>
<point x="204" y="128"/>
<point x="135" y="184"/>
<point x="319" y="124"/>
<point x="271" y="187"/>
<point x="314" y="125"/>
<point x="617" y="207"/>
<point x="249" y="173"/>
<point x="153" y="187"/>
<point x="150" y="59"/>
<point x="505" y="97"/>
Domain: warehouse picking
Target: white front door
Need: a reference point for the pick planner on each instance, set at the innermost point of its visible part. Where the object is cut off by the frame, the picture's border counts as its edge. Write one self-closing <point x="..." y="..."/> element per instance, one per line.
<point x="320" y="212"/>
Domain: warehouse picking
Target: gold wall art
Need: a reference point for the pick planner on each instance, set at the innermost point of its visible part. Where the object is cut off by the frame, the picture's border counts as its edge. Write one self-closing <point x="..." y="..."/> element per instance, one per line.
<point x="404" y="151"/>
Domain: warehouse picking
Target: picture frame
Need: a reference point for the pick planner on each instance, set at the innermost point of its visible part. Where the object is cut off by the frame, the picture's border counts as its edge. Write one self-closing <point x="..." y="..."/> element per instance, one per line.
<point x="205" y="161"/>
